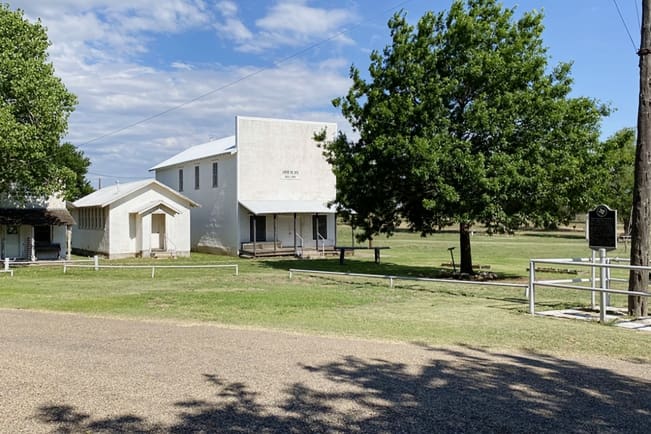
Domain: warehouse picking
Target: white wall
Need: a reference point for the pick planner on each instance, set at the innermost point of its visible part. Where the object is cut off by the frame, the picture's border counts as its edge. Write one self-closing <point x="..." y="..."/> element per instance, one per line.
<point x="90" y="240"/>
<point x="279" y="160"/>
<point x="214" y="224"/>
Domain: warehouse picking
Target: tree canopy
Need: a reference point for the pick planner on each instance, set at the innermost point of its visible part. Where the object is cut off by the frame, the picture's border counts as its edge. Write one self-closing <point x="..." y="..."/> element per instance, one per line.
<point x="461" y="120"/>
<point x="617" y="160"/>
<point x="34" y="110"/>
<point x="67" y="155"/>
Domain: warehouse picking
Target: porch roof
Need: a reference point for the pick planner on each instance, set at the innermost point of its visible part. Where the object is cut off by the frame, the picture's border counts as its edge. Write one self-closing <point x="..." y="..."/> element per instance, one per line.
<point x="287" y="207"/>
<point x="35" y="216"/>
<point x="157" y="204"/>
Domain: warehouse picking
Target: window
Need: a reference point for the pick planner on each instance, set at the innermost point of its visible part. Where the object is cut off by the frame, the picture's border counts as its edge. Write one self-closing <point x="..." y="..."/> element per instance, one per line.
<point x="320" y="226"/>
<point x="196" y="177"/>
<point x="215" y="177"/>
<point x="91" y="218"/>
<point x="180" y="179"/>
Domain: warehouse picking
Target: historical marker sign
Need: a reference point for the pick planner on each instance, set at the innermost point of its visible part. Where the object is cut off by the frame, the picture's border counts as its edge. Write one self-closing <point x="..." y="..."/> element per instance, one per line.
<point x="602" y="228"/>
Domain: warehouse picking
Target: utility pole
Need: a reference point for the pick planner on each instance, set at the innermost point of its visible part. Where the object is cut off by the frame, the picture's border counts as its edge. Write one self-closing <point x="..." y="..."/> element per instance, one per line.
<point x="638" y="279"/>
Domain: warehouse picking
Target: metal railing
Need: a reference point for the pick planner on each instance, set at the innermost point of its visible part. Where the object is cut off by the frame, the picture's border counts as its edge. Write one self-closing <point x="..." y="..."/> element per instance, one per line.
<point x="604" y="265"/>
<point x="323" y="240"/>
<point x="96" y="266"/>
<point x="392" y="278"/>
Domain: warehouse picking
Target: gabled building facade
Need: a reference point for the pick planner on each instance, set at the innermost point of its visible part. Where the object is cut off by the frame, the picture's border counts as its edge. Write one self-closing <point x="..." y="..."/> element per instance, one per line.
<point x="142" y="218"/>
<point x="264" y="190"/>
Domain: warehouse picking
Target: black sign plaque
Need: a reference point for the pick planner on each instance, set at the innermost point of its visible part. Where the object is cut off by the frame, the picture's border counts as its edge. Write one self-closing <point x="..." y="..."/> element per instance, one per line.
<point x="602" y="228"/>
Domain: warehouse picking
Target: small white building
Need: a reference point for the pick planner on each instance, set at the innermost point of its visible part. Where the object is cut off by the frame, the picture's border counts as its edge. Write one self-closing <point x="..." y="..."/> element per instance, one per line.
<point x="35" y="229"/>
<point x="142" y="218"/>
<point x="264" y="190"/>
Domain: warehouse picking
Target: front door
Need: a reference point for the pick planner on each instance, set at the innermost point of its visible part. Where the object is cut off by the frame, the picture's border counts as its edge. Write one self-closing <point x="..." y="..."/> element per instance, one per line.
<point x="158" y="231"/>
<point x="12" y="242"/>
<point x="260" y="228"/>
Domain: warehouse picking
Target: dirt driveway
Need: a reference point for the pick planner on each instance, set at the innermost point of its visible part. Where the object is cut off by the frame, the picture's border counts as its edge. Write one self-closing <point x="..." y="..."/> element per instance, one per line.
<point x="72" y="373"/>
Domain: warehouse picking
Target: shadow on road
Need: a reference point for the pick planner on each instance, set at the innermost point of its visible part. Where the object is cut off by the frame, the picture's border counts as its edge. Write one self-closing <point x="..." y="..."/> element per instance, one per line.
<point x="459" y="390"/>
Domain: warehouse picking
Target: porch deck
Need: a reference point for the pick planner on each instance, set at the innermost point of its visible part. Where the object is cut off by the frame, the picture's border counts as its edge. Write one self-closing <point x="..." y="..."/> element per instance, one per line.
<point x="267" y="249"/>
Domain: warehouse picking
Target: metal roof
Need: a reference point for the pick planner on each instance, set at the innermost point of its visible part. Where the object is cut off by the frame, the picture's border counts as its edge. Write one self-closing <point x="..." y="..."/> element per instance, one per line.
<point x="210" y="149"/>
<point x="287" y="206"/>
<point x="110" y="194"/>
<point x="35" y="216"/>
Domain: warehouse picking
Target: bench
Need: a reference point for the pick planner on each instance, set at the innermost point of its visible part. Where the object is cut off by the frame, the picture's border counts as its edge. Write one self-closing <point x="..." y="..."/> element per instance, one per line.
<point x="342" y="252"/>
<point x="47" y="251"/>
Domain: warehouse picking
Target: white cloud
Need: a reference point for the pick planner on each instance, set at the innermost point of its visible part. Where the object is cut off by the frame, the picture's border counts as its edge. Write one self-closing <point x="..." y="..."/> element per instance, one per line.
<point x="97" y="48"/>
<point x="182" y="65"/>
<point x="290" y="23"/>
<point x="128" y="93"/>
<point x="234" y="29"/>
<point x="227" y="8"/>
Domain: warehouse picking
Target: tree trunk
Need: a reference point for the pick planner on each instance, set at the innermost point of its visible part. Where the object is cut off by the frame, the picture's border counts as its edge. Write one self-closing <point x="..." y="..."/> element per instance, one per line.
<point x="639" y="280"/>
<point x="464" y="243"/>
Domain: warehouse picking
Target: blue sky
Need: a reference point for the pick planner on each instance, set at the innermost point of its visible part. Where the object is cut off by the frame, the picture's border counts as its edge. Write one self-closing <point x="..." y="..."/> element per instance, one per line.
<point x="129" y="60"/>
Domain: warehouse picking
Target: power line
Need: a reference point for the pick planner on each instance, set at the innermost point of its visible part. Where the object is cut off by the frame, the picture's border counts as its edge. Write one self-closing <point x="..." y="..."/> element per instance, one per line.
<point x="242" y="78"/>
<point x="621" y="17"/>
<point x="637" y="13"/>
<point x="103" y="175"/>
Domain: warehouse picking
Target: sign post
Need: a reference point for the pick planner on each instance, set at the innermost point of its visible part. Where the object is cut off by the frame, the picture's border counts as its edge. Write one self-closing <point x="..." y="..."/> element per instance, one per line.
<point x="602" y="236"/>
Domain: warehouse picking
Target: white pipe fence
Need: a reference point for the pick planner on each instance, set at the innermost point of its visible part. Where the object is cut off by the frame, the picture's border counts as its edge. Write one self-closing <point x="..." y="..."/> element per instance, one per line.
<point x="80" y="263"/>
<point x="394" y="278"/>
<point x="604" y="266"/>
<point x="96" y="266"/>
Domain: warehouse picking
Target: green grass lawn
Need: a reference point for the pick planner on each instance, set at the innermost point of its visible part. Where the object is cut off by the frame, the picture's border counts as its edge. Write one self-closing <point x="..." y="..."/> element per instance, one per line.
<point x="431" y="313"/>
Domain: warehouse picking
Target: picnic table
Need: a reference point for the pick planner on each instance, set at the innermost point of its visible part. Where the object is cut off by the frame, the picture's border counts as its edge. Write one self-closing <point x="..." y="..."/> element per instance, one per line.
<point x="342" y="251"/>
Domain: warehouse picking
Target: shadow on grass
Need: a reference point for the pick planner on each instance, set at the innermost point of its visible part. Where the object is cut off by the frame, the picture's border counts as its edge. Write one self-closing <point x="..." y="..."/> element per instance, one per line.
<point x="456" y="390"/>
<point x="366" y="266"/>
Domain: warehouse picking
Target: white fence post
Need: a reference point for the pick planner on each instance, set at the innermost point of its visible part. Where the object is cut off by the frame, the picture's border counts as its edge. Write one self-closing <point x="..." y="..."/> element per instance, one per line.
<point x="593" y="279"/>
<point x="531" y="288"/>
<point x="96" y="262"/>
<point x="602" y="277"/>
<point x="6" y="264"/>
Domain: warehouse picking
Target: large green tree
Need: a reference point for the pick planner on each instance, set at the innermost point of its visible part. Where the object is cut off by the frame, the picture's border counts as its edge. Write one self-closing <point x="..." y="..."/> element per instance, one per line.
<point x="615" y="183"/>
<point x="67" y="155"/>
<point x="34" y="110"/>
<point x="462" y="120"/>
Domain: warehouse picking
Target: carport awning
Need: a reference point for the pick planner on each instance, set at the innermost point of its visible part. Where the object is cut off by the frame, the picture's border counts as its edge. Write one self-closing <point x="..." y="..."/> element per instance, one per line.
<point x="287" y="207"/>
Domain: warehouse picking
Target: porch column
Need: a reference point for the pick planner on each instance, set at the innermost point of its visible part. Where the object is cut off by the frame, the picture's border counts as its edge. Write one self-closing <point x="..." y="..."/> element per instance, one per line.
<point x="316" y="223"/>
<point x="275" y="233"/>
<point x="255" y="234"/>
<point x="32" y="247"/>
<point x="294" y="233"/>
<point x="68" y="242"/>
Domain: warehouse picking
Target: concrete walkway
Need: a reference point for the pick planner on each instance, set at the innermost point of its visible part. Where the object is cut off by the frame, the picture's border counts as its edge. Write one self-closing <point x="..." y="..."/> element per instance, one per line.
<point x="69" y="373"/>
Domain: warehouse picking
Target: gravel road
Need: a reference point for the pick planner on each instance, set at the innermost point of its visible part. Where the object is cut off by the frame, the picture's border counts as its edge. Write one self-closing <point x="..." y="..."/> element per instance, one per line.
<point x="69" y="373"/>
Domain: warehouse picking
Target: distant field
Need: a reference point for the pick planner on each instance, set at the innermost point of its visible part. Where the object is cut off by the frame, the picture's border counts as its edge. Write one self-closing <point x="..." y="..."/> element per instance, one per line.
<point x="263" y="295"/>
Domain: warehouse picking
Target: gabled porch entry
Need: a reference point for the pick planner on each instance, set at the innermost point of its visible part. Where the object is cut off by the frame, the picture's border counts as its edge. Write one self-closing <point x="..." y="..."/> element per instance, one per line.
<point x="152" y="230"/>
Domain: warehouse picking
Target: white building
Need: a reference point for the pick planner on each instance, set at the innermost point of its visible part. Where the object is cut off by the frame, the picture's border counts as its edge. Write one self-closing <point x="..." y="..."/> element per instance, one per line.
<point x="35" y="229"/>
<point x="142" y="218"/>
<point x="265" y="190"/>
